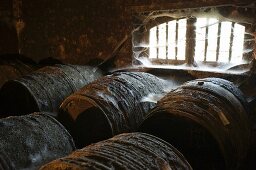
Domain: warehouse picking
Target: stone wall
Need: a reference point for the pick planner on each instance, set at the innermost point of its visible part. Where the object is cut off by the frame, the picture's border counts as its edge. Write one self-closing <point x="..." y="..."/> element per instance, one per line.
<point x="76" y="31"/>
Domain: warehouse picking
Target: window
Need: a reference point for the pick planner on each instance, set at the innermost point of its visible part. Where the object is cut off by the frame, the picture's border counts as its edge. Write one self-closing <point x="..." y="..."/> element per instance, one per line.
<point x="168" y="40"/>
<point x="214" y="41"/>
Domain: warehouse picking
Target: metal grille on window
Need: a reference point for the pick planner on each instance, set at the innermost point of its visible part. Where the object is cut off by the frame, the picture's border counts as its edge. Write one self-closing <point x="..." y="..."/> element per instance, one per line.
<point x="168" y="40"/>
<point x="215" y="41"/>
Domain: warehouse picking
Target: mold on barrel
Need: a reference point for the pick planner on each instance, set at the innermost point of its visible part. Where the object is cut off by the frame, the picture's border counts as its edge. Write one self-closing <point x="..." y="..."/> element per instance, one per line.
<point x="45" y="89"/>
<point x="28" y="142"/>
<point x="206" y="120"/>
<point x="110" y="105"/>
<point x="126" y="151"/>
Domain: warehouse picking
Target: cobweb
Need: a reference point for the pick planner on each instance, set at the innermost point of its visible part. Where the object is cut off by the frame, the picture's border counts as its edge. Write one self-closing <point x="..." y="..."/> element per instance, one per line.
<point x="242" y="15"/>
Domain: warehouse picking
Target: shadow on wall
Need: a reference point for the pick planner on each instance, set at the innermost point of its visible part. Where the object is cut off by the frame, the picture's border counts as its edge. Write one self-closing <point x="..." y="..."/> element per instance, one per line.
<point x="9" y="39"/>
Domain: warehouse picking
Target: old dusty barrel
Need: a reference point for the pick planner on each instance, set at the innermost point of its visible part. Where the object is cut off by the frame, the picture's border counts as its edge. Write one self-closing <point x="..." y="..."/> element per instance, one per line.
<point x="45" y="89"/>
<point x="13" y="66"/>
<point x="27" y="142"/>
<point x="131" y="151"/>
<point x="109" y="106"/>
<point x="206" y="120"/>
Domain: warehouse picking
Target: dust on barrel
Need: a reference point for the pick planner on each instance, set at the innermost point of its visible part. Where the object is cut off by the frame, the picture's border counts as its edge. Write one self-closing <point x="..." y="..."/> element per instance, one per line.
<point x="27" y="142"/>
<point x="45" y="89"/>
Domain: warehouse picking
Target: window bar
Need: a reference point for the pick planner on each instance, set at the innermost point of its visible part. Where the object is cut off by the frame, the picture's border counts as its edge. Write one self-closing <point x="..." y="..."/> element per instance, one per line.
<point x="248" y="45"/>
<point x="231" y="41"/>
<point x="176" y="39"/>
<point x="206" y="39"/>
<point x="218" y="42"/>
<point x="157" y="42"/>
<point x="190" y="43"/>
<point x="167" y="32"/>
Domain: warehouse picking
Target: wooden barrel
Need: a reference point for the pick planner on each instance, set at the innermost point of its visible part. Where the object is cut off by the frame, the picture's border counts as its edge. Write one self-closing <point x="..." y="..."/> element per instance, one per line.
<point x="45" y="89"/>
<point x="206" y="120"/>
<point x="109" y="106"/>
<point x="13" y="66"/>
<point x="27" y="142"/>
<point x="133" y="151"/>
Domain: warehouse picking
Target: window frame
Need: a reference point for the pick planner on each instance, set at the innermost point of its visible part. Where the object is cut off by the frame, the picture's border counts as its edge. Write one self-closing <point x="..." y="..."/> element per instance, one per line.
<point x="191" y="45"/>
<point x="148" y="19"/>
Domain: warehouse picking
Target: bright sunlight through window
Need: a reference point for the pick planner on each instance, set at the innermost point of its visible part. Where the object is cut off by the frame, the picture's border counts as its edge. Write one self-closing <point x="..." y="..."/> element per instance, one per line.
<point x="215" y="41"/>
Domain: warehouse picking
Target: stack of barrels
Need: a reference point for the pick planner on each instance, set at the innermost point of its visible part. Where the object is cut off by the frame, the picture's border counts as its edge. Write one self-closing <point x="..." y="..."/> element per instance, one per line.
<point x="73" y="117"/>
